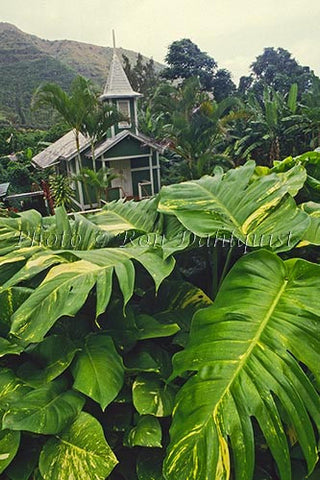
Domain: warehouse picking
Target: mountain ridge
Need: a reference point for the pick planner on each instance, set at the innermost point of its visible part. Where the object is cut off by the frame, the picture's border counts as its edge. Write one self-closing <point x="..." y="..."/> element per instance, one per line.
<point x="27" y="60"/>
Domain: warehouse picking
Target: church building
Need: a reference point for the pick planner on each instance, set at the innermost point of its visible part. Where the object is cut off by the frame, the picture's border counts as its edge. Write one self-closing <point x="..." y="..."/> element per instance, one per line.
<point x="132" y="156"/>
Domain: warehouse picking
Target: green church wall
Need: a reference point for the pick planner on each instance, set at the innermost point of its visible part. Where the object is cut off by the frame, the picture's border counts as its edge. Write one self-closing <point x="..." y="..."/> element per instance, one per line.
<point x="154" y="158"/>
<point x="139" y="162"/>
<point x="127" y="147"/>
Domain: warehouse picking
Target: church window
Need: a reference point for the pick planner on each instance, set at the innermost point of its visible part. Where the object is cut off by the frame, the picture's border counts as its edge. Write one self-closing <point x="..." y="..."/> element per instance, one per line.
<point x="124" y="108"/>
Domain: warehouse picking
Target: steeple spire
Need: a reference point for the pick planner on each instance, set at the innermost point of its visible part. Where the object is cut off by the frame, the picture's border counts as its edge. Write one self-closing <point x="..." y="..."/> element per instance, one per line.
<point x="114" y="40"/>
<point x="118" y="85"/>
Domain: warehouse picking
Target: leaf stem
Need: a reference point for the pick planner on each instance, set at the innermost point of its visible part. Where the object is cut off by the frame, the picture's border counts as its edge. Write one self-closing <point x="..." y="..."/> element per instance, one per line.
<point x="214" y="271"/>
<point x="226" y="265"/>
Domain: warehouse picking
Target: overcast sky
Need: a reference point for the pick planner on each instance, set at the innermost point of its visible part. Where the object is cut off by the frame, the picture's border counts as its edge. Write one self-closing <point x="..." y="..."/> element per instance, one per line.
<point x="233" y="32"/>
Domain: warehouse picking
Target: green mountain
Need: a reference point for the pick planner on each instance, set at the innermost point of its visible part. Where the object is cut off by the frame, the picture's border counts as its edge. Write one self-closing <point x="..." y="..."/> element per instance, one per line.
<point x="27" y="60"/>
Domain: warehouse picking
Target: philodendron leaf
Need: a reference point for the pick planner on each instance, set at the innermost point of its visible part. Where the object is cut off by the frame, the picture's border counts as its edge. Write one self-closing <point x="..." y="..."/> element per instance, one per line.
<point x="23" y="231"/>
<point x="49" y="358"/>
<point x="147" y="356"/>
<point x="11" y="388"/>
<point x="9" y="444"/>
<point x="98" y="370"/>
<point x="312" y="234"/>
<point x="66" y="287"/>
<point x="152" y="396"/>
<point x="176" y="302"/>
<point x="261" y="213"/>
<point x="79" y="452"/>
<point x="122" y="216"/>
<point x="127" y="329"/>
<point x="147" y="433"/>
<point x="7" y="348"/>
<point x="10" y="300"/>
<point x="246" y="351"/>
<point x="46" y="410"/>
<point x="149" y="327"/>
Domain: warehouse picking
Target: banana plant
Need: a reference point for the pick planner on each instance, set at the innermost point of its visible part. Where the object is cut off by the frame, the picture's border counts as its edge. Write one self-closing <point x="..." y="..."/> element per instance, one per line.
<point x="265" y="127"/>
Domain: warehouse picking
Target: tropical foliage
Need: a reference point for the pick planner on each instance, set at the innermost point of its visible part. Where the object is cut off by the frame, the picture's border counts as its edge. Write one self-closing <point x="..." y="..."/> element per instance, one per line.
<point x="99" y="181"/>
<point x="173" y="338"/>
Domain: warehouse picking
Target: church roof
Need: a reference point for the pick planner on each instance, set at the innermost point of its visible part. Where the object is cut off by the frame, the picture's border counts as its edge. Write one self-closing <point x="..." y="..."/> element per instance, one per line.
<point x="111" y="142"/>
<point x="118" y="85"/>
<point x="63" y="149"/>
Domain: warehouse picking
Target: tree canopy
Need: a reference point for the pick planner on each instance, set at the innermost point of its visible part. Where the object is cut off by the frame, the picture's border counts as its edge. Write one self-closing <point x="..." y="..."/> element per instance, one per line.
<point x="276" y="68"/>
<point x="142" y="76"/>
<point x="186" y="60"/>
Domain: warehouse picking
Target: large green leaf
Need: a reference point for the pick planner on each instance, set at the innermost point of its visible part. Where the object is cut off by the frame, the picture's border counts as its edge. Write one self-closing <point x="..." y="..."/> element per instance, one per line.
<point x="176" y="301"/>
<point x="10" y="301"/>
<point x="127" y="329"/>
<point x="173" y="238"/>
<point x="87" y="236"/>
<point x="22" y="231"/>
<point x="11" y="388"/>
<point x="260" y="213"/>
<point x="246" y="350"/>
<point x="311" y="162"/>
<point x="39" y="262"/>
<point x="80" y="453"/>
<point x="147" y="356"/>
<point x="30" y="229"/>
<point x="147" y="433"/>
<point x="151" y="396"/>
<point x="46" y="410"/>
<point x="49" y="359"/>
<point x="67" y="286"/>
<point x="9" y="444"/>
<point x="7" y="348"/>
<point x="98" y="370"/>
<point x="13" y="262"/>
<point x="121" y="216"/>
<point x="312" y="234"/>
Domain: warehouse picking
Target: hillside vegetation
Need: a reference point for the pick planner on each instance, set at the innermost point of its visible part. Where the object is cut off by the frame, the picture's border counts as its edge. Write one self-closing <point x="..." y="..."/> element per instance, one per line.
<point x="26" y="61"/>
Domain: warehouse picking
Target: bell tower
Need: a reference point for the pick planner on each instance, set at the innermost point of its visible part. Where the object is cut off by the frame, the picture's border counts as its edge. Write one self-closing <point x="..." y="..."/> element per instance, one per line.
<point x="119" y="92"/>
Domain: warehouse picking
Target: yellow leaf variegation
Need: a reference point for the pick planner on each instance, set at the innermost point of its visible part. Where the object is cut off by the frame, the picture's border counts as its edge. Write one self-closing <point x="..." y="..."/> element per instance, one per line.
<point x="67" y="286"/>
<point x="245" y="350"/>
<point x="79" y="452"/>
<point x="122" y="216"/>
<point x="257" y="213"/>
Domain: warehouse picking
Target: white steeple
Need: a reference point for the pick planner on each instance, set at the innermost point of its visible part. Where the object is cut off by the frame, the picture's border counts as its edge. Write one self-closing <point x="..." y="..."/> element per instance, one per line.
<point x="118" y="85"/>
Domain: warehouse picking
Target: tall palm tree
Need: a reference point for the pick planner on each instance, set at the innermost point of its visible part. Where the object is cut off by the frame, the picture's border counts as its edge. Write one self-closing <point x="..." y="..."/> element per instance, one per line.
<point x="98" y="120"/>
<point x="73" y="107"/>
<point x="83" y="112"/>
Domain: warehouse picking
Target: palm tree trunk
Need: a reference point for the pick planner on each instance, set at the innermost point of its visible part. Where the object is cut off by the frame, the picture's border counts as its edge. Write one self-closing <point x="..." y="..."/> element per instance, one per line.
<point x="78" y="149"/>
<point x="93" y="155"/>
